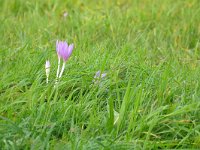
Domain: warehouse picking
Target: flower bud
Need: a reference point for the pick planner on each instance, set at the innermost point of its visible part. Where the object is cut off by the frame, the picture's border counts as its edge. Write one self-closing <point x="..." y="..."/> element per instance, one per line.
<point x="47" y="67"/>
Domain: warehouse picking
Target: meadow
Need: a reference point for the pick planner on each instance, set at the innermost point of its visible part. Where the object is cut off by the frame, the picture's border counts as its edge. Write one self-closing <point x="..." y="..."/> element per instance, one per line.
<point x="149" y="98"/>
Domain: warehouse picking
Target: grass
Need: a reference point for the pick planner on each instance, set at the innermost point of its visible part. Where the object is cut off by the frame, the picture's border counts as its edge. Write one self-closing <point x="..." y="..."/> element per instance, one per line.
<point x="150" y="50"/>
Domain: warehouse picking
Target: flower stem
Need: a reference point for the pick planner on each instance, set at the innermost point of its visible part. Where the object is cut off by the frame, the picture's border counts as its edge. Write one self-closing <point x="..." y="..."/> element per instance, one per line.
<point x="63" y="67"/>
<point x="58" y="70"/>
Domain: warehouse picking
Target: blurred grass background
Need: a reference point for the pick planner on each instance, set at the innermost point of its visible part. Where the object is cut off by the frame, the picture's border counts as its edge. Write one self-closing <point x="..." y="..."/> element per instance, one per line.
<point x="150" y="50"/>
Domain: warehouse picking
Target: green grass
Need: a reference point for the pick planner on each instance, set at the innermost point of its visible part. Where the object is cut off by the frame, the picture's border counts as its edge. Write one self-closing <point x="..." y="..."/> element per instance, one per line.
<point x="150" y="50"/>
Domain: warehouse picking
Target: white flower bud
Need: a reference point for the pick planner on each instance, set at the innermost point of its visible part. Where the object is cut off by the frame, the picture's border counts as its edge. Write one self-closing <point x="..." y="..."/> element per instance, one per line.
<point x="47" y="68"/>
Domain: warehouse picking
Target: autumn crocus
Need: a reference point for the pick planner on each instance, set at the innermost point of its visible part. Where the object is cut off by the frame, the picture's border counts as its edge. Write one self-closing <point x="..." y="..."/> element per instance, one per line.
<point x="98" y="76"/>
<point x="47" y="69"/>
<point x="64" y="52"/>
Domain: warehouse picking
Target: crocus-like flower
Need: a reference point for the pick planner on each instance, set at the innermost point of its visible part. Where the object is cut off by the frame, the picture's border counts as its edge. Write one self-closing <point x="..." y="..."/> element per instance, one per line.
<point x="63" y="50"/>
<point x="99" y="74"/>
<point x="47" y="68"/>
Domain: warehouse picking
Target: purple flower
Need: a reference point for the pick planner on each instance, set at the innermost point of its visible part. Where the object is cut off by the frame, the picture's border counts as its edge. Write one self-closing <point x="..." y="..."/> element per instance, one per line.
<point x="63" y="50"/>
<point x="100" y="75"/>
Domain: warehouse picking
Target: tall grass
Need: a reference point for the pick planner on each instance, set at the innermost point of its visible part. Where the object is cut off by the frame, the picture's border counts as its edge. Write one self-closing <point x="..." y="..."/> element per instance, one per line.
<point x="150" y="50"/>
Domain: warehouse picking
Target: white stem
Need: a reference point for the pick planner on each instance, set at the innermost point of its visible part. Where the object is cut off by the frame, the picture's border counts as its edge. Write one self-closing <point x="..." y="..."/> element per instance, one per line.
<point x="58" y="70"/>
<point x="63" y="67"/>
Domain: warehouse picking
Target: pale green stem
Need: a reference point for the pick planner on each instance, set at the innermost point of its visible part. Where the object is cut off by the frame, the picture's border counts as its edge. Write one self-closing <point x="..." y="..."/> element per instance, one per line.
<point x="63" y="67"/>
<point x="58" y="70"/>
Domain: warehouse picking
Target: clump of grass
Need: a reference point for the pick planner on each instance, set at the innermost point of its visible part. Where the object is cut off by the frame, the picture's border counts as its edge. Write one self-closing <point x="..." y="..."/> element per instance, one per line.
<point x="149" y="50"/>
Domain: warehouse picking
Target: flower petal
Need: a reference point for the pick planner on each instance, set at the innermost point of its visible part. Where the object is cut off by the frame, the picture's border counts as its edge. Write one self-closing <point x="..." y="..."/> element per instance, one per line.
<point x="70" y="49"/>
<point x="58" y="48"/>
<point x="63" y="50"/>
